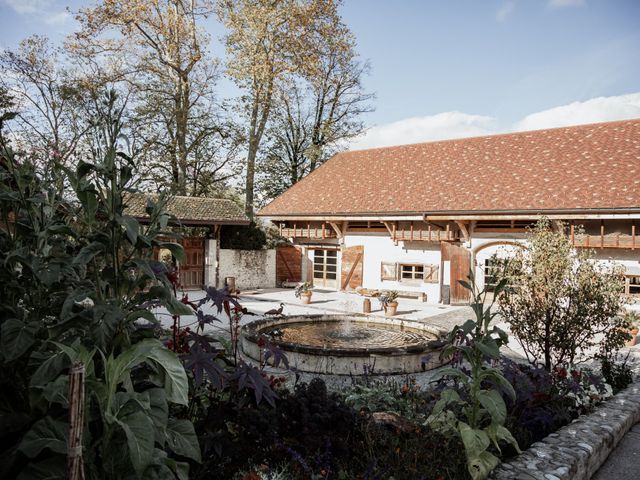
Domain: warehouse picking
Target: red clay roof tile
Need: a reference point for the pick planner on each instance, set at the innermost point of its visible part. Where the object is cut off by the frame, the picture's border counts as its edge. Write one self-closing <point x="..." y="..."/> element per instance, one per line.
<point x="586" y="167"/>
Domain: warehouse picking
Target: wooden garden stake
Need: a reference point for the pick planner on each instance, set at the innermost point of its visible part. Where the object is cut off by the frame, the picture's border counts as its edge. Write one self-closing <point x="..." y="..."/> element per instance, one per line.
<point x="76" y="422"/>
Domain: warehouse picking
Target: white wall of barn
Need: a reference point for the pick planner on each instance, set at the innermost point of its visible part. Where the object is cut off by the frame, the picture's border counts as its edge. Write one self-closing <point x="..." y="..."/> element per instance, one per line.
<point x="380" y="248"/>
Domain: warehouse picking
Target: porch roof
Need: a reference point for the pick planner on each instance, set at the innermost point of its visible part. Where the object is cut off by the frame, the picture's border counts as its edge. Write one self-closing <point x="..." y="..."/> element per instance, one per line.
<point x="571" y="170"/>
<point x="191" y="211"/>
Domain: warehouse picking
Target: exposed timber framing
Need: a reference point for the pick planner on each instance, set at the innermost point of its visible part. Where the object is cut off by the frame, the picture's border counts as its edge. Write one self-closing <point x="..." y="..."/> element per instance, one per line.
<point x="463" y="228"/>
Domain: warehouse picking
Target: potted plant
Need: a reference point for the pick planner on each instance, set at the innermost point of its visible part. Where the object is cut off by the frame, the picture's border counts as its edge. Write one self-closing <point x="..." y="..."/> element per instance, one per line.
<point x="303" y="291"/>
<point x="389" y="301"/>
<point x="633" y="320"/>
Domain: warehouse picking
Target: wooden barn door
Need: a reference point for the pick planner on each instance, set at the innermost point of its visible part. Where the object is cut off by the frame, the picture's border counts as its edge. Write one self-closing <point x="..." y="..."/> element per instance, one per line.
<point x="192" y="269"/>
<point x="460" y="259"/>
<point x="288" y="264"/>
<point x="351" y="267"/>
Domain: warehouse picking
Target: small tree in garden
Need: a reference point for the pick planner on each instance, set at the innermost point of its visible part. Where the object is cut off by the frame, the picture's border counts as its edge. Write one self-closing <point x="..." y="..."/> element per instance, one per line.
<point x="560" y="304"/>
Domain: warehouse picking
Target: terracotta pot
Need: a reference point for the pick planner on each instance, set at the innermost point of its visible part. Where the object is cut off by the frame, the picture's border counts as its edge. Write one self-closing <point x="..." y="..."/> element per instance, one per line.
<point x="390" y="309"/>
<point x="634" y="337"/>
<point x="306" y="298"/>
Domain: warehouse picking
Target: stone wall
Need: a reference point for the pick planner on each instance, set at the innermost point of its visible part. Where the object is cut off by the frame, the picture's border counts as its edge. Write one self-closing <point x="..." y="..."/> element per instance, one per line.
<point x="577" y="451"/>
<point x="251" y="268"/>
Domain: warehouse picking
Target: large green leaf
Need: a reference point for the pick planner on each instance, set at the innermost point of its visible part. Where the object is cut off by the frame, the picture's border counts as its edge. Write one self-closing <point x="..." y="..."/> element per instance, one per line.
<point x="448" y="396"/>
<point x="489" y="347"/>
<point x="177" y="308"/>
<point x="496" y="377"/>
<point x="138" y="428"/>
<point x="475" y="441"/>
<point x="499" y="433"/>
<point x="45" y="434"/>
<point x="17" y="337"/>
<point x="492" y="401"/>
<point x="481" y="466"/>
<point x="182" y="439"/>
<point x="131" y="226"/>
<point x="87" y="253"/>
<point x="176" y="384"/>
<point x="120" y="367"/>
<point x="53" y="468"/>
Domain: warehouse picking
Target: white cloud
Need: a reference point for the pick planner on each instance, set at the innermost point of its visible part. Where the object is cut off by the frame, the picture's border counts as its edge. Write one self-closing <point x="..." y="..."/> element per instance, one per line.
<point x="448" y="125"/>
<point x="58" y="18"/>
<point x="565" y="3"/>
<point x="24" y="7"/>
<point x="601" y="109"/>
<point x="424" y="129"/>
<point x="504" y="11"/>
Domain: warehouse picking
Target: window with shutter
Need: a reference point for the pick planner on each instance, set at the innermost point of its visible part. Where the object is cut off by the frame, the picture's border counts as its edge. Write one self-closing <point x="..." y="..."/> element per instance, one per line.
<point x="388" y="271"/>
<point x="431" y="273"/>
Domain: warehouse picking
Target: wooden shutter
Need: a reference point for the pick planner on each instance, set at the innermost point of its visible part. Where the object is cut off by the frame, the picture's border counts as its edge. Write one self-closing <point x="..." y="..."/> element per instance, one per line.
<point x="431" y="273"/>
<point x="388" y="271"/>
<point x="351" y="267"/>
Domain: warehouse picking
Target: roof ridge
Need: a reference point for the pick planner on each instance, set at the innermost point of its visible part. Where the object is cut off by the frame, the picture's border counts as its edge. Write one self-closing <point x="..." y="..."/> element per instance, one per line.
<point x="492" y="135"/>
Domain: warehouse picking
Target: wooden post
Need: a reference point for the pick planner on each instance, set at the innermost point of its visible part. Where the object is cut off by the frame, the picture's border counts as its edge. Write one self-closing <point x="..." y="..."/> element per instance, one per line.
<point x="394" y="231"/>
<point x="76" y="422"/>
<point x="429" y="232"/>
<point x="323" y="231"/>
<point x="411" y="234"/>
<point x="601" y="234"/>
<point x="573" y="236"/>
<point x="633" y="235"/>
<point x="308" y="230"/>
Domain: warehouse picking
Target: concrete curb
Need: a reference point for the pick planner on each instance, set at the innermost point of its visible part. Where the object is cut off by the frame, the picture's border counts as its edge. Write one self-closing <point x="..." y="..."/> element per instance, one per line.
<point x="576" y="451"/>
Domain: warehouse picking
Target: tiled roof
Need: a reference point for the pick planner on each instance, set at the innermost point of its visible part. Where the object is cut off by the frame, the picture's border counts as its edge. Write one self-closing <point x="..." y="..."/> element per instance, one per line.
<point x="190" y="210"/>
<point x="574" y="168"/>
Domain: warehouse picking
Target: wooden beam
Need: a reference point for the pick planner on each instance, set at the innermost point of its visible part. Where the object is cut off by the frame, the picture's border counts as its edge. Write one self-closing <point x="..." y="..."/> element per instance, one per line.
<point x="533" y="216"/>
<point x="337" y="228"/>
<point x="463" y="228"/>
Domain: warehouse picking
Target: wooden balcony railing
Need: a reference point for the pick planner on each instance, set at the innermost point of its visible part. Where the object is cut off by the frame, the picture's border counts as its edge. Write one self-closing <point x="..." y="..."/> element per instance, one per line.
<point x="426" y="235"/>
<point x="615" y="240"/>
<point x="316" y="232"/>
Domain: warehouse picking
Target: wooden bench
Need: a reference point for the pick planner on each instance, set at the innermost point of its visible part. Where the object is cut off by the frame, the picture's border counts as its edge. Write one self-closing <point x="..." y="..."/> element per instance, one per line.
<point x="367" y="292"/>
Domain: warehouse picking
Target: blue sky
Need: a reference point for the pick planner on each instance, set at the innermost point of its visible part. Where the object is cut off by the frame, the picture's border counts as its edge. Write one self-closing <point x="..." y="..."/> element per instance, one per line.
<point x="448" y="68"/>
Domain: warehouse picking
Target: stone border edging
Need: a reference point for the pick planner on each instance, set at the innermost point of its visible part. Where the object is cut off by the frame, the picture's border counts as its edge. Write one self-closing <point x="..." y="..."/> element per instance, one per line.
<point x="576" y="451"/>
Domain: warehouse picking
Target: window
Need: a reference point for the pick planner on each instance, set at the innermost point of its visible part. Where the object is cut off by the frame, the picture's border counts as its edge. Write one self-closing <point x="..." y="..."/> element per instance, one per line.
<point x="632" y="285"/>
<point x="411" y="272"/>
<point x="491" y="266"/>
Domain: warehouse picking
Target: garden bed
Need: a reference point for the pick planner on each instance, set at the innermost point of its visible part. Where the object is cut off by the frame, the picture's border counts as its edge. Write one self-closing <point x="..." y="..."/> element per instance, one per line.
<point x="578" y="450"/>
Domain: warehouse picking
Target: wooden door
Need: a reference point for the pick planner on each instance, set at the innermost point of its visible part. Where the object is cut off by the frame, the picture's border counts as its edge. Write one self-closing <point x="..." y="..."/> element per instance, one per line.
<point x="351" y="267"/>
<point x="460" y="259"/>
<point x="325" y="268"/>
<point x="288" y="264"/>
<point x="192" y="269"/>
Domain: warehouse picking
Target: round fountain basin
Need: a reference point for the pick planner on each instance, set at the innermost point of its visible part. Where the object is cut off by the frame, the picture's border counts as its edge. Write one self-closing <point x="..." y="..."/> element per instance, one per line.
<point x="348" y="344"/>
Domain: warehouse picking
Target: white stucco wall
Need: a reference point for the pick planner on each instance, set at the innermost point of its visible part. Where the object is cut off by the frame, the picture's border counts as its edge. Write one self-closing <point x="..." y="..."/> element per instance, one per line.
<point x="380" y="248"/>
<point x="484" y="246"/>
<point x="251" y="268"/>
<point x="210" y="261"/>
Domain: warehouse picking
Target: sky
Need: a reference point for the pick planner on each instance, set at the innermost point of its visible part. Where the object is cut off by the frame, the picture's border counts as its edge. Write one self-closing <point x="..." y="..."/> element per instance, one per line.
<point x="455" y="68"/>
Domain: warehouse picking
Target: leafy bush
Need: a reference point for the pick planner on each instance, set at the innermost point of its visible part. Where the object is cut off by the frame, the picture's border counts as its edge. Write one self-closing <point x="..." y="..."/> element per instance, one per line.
<point x="78" y="282"/>
<point x="560" y="304"/>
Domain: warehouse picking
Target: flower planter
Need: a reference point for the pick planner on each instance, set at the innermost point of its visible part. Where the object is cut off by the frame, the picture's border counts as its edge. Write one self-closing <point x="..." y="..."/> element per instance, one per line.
<point x="634" y="337"/>
<point x="390" y="309"/>
<point x="306" y="298"/>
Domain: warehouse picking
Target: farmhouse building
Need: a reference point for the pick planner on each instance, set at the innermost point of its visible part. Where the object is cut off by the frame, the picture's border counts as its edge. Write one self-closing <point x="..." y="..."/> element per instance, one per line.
<point x="416" y="218"/>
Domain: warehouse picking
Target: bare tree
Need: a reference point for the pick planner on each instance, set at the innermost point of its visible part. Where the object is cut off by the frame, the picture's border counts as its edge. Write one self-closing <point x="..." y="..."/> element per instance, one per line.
<point x="160" y="50"/>
<point x="47" y="126"/>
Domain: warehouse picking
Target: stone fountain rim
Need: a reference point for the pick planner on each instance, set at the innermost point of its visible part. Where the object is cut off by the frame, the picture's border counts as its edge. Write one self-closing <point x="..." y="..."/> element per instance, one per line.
<point x="251" y="332"/>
